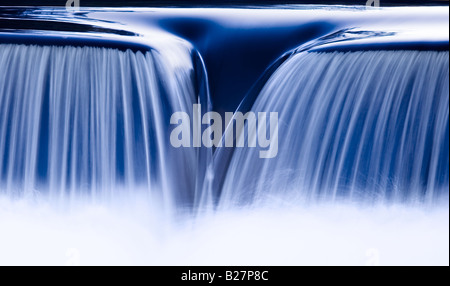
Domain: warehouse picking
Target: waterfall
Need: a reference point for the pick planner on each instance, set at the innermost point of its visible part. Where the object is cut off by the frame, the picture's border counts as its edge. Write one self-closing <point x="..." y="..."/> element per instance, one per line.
<point x="368" y="126"/>
<point x="93" y="122"/>
<point x="234" y="135"/>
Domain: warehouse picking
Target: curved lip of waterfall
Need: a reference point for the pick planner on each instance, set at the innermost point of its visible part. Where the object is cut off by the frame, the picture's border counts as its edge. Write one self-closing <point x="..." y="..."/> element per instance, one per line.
<point x="345" y="40"/>
<point x="354" y="39"/>
<point x="349" y="34"/>
<point x="56" y="25"/>
<point x="56" y="19"/>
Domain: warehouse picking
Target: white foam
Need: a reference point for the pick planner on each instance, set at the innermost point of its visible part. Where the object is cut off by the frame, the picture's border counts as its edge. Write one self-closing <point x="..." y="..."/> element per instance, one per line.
<point x="135" y="234"/>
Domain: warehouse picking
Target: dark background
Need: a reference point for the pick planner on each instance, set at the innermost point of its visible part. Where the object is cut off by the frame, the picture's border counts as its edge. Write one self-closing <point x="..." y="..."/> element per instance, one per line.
<point x="203" y="3"/>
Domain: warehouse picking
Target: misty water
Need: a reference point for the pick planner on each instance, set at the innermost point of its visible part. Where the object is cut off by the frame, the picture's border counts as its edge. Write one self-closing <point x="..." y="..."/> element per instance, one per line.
<point x="88" y="175"/>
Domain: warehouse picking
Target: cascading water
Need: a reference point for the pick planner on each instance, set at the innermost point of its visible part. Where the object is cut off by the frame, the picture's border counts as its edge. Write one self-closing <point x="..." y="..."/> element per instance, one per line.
<point x="89" y="175"/>
<point x="92" y="122"/>
<point x="371" y="126"/>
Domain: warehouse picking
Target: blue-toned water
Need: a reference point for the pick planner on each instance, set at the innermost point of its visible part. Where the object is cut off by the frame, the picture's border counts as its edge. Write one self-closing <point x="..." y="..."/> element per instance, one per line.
<point x="92" y="122"/>
<point x="87" y="169"/>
